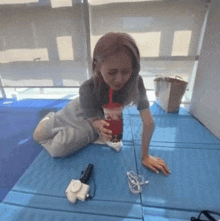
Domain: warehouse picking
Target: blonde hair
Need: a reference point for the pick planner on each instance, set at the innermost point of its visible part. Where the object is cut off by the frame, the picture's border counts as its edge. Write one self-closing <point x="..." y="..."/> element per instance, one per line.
<point x="110" y="44"/>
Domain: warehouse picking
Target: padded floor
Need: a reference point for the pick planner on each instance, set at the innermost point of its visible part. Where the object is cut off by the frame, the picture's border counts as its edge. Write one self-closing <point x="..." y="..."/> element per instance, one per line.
<point x="51" y="176"/>
<point x="34" y="103"/>
<point x="43" y="184"/>
<point x="192" y="184"/>
<point x="18" y="150"/>
<point x="189" y="149"/>
<point x="176" y="129"/>
<point x="155" y="214"/>
<point x="18" y="213"/>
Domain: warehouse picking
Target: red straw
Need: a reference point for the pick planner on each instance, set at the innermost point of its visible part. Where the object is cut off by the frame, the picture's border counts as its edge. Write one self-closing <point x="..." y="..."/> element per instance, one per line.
<point x="110" y="95"/>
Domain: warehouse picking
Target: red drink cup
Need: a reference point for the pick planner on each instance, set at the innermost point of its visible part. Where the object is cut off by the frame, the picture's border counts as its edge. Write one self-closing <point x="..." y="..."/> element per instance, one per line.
<point x="113" y="115"/>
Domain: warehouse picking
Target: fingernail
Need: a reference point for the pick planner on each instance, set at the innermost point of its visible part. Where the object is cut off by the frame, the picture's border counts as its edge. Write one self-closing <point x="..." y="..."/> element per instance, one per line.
<point x="157" y="172"/>
<point x="169" y="171"/>
<point x="110" y="131"/>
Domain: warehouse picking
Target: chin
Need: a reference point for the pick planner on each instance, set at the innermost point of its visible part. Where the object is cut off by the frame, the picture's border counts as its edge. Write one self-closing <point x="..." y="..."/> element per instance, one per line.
<point x="117" y="89"/>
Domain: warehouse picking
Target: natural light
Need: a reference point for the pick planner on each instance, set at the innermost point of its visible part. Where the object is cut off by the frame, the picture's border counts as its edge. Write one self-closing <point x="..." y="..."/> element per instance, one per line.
<point x="181" y="42"/>
<point x="63" y="3"/>
<point x="24" y="55"/>
<point x="102" y="2"/>
<point x="65" y="48"/>
<point x="148" y="43"/>
<point x="7" y="2"/>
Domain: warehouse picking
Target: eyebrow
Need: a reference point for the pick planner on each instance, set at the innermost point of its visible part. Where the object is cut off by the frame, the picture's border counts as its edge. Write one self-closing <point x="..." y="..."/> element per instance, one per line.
<point x="126" y="69"/>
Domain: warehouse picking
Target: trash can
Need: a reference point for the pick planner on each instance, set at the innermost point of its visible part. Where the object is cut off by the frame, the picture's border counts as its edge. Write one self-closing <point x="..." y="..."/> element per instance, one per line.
<point x="169" y="92"/>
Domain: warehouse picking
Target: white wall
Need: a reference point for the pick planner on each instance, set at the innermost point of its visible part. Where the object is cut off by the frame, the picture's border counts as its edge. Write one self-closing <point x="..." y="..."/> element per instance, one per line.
<point x="205" y="105"/>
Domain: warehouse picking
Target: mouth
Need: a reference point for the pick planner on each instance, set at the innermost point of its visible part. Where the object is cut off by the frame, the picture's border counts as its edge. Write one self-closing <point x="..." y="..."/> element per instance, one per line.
<point x="118" y="86"/>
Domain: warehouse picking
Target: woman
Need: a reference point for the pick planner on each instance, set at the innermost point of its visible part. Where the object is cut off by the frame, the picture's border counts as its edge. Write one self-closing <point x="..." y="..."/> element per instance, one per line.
<point x="116" y="64"/>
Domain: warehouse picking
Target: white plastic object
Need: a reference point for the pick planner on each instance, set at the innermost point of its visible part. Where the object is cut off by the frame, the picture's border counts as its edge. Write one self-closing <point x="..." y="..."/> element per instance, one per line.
<point x="76" y="190"/>
<point x="76" y="185"/>
<point x="115" y="145"/>
<point x="71" y="197"/>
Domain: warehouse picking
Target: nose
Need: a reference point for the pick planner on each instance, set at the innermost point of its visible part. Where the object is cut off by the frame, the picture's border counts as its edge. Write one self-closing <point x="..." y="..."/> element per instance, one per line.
<point x="119" y="79"/>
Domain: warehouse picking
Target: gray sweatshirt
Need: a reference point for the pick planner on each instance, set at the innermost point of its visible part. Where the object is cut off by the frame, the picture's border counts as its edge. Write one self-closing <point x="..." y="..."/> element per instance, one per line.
<point x="92" y="104"/>
<point x="70" y="128"/>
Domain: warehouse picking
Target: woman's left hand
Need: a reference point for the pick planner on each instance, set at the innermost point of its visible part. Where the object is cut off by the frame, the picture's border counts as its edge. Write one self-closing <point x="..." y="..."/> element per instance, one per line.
<point x="155" y="164"/>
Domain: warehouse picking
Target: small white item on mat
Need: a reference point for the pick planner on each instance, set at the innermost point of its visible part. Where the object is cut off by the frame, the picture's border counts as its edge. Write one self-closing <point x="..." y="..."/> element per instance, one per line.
<point x="77" y="190"/>
<point x="115" y="145"/>
<point x="135" y="181"/>
<point x="99" y="141"/>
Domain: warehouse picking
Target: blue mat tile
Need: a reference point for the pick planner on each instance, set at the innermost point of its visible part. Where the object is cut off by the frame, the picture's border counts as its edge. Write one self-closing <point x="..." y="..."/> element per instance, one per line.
<point x="18" y="213"/>
<point x="127" y="130"/>
<point x="17" y="122"/>
<point x="181" y="145"/>
<point x="37" y="103"/>
<point x="51" y="176"/>
<point x="157" y="110"/>
<point x="156" y="214"/>
<point x="175" y="129"/>
<point x="43" y="184"/>
<point x="126" y="111"/>
<point x="192" y="185"/>
<point x="117" y="209"/>
<point x="18" y="150"/>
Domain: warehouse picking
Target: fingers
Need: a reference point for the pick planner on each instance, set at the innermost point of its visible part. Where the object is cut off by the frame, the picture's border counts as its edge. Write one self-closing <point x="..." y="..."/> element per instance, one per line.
<point x="104" y="123"/>
<point x="161" y="168"/>
<point x="103" y="129"/>
<point x="156" y="164"/>
<point x="106" y="133"/>
<point x="154" y="169"/>
<point x="106" y="137"/>
<point x="164" y="168"/>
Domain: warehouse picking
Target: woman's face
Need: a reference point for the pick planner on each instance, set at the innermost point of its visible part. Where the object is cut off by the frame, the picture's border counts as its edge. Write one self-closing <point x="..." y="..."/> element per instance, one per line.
<point x="116" y="70"/>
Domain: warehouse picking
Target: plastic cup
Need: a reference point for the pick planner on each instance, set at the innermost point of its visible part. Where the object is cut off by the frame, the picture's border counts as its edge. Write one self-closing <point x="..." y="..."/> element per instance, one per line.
<point x="113" y="115"/>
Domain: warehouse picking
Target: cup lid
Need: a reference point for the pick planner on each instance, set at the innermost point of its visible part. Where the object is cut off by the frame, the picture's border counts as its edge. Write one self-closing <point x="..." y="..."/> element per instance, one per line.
<point x="112" y="105"/>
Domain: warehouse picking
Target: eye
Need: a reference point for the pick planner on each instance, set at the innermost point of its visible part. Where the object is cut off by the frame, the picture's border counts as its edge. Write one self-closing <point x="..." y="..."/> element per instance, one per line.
<point x="112" y="73"/>
<point x="125" y="72"/>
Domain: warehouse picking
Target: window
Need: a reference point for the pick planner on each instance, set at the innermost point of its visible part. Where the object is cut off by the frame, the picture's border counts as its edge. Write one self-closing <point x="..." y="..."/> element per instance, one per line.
<point x="50" y="43"/>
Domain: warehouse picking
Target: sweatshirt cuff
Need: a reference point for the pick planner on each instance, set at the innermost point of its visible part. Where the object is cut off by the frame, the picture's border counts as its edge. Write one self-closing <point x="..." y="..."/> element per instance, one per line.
<point x="144" y="104"/>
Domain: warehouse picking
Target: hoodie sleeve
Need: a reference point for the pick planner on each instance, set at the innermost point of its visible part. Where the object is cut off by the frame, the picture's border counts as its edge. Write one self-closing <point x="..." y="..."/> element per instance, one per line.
<point x="143" y="101"/>
<point x="88" y="101"/>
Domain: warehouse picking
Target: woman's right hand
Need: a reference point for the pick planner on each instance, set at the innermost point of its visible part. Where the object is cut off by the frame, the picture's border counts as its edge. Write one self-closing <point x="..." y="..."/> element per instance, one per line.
<point x="100" y="126"/>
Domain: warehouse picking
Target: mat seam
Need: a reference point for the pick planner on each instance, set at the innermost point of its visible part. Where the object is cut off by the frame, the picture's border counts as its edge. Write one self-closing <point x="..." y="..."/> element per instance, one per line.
<point x="67" y="211"/>
<point x="135" y="156"/>
<point x="169" y="208"/>
<point x="187" y="148"/>
<point x="63" y="197"/>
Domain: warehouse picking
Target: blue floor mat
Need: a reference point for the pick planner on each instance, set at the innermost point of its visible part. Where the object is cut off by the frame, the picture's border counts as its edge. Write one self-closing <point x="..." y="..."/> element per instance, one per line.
<point x="18" y="150"/>
<point x="52" y="175"/>
<point x="176" y="129"/>
<point x="127" y="129"/>
<point x="155" y="214"/>
<point x="192" y="185"/>
<point x="34" y="103"/>
<point x="18" y="213"/>
<point x="37" y="182"/>
<point x="47" y="178"/>
<point x="157" y="110"/>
